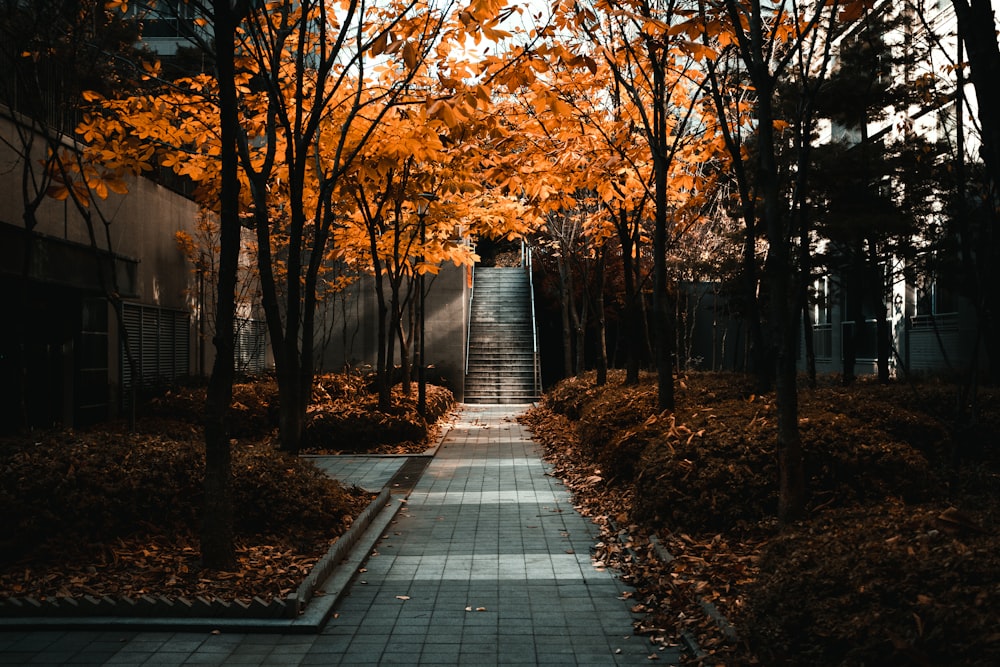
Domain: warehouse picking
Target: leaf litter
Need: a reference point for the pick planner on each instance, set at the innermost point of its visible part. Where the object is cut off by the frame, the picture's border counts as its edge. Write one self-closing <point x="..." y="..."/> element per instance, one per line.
<point x="897" y="561"/>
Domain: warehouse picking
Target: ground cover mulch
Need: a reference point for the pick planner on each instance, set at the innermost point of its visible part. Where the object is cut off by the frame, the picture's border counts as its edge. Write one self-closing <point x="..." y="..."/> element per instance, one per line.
<point x="115" y="511"/>
<point x="896" y="562"/>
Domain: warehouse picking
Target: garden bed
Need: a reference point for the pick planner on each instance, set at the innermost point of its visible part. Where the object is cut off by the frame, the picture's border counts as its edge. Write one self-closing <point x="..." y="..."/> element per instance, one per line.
<point x="896" y="562"/>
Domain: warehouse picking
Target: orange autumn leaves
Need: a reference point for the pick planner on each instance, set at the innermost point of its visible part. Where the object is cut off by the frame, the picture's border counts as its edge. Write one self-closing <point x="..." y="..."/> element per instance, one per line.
<point x="530" y="121"/>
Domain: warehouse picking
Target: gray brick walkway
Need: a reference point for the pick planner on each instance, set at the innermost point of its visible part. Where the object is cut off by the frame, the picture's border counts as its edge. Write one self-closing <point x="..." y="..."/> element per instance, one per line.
<point x="368" y="472"/>
<point x="486" y="564"/>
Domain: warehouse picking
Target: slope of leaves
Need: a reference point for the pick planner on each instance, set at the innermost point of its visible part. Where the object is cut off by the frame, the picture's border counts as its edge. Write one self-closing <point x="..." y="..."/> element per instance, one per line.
<point x="351" y="422"/>
<point x="895" y="564"/>
<point x="343" y="415"/>
<point x="108" y="512"/>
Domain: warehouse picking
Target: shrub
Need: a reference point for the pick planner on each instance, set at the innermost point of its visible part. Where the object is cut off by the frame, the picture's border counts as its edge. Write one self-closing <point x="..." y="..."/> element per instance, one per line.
<point x="97" y="486"/>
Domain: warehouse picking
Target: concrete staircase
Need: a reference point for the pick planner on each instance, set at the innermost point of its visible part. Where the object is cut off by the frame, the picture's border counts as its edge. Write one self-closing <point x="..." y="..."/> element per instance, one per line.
<point x="502" y="364"/>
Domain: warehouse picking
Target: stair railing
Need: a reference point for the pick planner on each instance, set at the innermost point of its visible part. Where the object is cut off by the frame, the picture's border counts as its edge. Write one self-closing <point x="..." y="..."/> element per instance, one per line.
<point x="468" y="330"/>
<point x="536" y="367"/>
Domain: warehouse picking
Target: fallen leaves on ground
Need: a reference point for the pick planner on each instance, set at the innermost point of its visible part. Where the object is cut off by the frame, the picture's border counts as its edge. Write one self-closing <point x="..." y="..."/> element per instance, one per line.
<point x="158" y="565"/>
<point x="110" y="512"/>
<point x="897" y="561"/>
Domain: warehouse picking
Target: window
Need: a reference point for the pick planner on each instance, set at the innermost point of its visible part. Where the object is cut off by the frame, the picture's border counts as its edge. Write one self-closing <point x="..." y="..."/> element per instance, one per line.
<point x="165" y="18"/>
<point x="822" y="318"/>
<point x="821" y="305"/>
<point x="159" y="340"/>
<point x="934" y="296"/>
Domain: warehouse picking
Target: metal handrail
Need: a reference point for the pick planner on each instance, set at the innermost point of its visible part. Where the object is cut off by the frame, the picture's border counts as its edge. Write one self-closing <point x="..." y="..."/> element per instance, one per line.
<point x="526" y="261"/>
<point x="468" y="331"/>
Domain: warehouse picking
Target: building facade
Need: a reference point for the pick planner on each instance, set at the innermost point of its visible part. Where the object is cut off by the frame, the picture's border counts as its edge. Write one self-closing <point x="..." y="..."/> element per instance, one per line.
<point x="75" y="300"/>
<point x="930" y="321"/>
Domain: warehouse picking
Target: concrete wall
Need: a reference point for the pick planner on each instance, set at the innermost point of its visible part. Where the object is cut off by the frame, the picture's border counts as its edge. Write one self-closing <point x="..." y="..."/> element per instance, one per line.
<point x="142" y="225"/>
<point x="350" y="324"/>
<point x="447" y="327"/>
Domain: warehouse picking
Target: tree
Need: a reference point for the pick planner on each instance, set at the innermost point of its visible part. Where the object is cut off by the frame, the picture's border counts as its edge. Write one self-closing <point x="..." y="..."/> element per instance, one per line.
<point x="876" y="183"/>
<point x="654" y="68"/>
<point x="765" y="39"/>
<point x="977" y="30"/>
<point x="218" y="550"/>
<point x="117" y="138"/>
<point x="332" y="80"/>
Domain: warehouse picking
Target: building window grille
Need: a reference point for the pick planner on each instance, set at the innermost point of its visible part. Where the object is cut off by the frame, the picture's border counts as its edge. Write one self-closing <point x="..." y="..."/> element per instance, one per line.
<point x="250" y="341"/>
<point x="160" y="343"/>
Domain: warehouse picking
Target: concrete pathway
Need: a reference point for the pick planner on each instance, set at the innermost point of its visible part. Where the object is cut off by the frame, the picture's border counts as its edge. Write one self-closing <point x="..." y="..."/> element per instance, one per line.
<point x="370" y="473"/>
<point x="487" y="563"/>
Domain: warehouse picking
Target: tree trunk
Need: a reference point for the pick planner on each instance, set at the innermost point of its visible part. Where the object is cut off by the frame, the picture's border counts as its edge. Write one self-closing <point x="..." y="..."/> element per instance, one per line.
<point x="291" y="413"/>
<point x="580" y="326"/>
<point x="602" y="338"/>
<point x="382" y="364"/>
<point x="810" y="345"/>
<point x="663" y="320"/>
<point x="645" y="328"/>
<point x="662" y="316"/>
<point x="781" y="281"/>
<point x="390" y="348"/>
<point x="629" y="334"/>
<point x="307" y="356"/>
<point x="565" y="288"/>
<point x="397" y="303"/>
<point x="856" y="315"/>
<point x="977" y="31"/>
<point x="217" y="538"/>
<point x="383" y="375"/>
<point x="409" y="342"/>
<point x="761" y="357"/>
<point x="791" y="465"/>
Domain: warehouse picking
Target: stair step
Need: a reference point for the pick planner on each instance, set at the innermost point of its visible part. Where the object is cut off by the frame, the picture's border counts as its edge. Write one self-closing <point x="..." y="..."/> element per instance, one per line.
<point x="488" y="376"/>
<point x="501" y="363"/>
<point x="511" y="338"/>
<point x="520" y="326"/>
<point x="500" y="353"/>
<point x="500" y="400"/>
<point x="503" y="344"/>
<point x="499" y="390"/>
